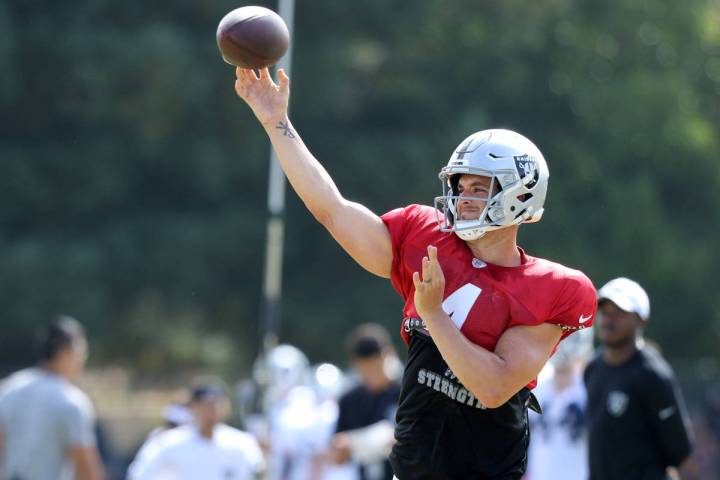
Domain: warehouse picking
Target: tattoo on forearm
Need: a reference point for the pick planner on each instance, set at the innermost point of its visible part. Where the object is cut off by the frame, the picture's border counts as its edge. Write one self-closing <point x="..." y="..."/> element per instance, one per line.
<point x="286" y="130"/>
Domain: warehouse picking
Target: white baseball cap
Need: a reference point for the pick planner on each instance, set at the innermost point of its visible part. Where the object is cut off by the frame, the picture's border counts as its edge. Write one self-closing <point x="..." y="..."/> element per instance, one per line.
<point x="628" y="295"/>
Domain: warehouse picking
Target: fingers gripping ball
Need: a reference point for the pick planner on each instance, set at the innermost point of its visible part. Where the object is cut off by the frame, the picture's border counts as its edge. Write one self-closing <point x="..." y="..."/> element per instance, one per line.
<point x="252" y="37"/>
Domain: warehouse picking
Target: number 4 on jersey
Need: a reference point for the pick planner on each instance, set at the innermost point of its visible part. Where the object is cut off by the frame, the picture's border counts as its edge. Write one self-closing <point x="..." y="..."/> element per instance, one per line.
<point x="458" y="305"/>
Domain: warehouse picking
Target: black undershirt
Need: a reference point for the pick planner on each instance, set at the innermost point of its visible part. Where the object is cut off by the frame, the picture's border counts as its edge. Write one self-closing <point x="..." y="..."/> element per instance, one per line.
<point x="444" y="433"/>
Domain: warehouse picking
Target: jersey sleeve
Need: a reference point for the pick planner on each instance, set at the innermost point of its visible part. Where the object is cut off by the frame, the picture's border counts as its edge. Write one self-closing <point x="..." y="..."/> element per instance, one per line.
<point x="667" y="416"/>
<point x="576" y="304"/>
<point x="151" y="467"/>
<point x="78" y="423"/>
<point x="146" y="452"/>
<point x="398" y="222"/>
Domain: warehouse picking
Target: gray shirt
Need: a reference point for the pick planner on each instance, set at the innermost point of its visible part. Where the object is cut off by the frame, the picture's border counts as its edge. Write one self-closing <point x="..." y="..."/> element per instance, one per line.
<point x="42" y="416"/>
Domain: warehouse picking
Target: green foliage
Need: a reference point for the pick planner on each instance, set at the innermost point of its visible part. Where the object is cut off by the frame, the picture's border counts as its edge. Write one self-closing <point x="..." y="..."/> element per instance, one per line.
<point x="134" y="181"/>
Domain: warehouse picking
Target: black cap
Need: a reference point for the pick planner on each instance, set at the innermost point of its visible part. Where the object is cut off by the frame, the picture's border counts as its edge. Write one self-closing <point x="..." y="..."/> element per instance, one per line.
<point x="207" y="389"/>
<point x="368" y="340"/>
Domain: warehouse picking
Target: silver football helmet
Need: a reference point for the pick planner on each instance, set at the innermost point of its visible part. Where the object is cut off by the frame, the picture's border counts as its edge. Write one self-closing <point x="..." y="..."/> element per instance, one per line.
<point x="518" y="183"/>
<point x="283" y="368"/>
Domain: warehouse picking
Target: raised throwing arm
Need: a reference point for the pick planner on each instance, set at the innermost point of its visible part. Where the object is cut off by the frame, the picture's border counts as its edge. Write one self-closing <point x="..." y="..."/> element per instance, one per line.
<point x="358" y="230"/>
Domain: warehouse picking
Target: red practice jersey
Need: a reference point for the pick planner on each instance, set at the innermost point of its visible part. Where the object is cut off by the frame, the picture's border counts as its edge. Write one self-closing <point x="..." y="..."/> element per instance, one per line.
<point x="485" y="300"/>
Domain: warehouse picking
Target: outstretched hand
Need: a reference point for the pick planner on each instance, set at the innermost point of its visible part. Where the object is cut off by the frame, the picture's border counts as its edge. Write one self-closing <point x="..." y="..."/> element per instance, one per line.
<point x="429" y="289"/>
<point x="267" y="99"/>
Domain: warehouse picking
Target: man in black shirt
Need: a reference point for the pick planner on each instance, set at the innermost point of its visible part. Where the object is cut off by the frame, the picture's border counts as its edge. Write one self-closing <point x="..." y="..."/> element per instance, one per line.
<point x="366" y="418"/>
<point x="637" y="419"/>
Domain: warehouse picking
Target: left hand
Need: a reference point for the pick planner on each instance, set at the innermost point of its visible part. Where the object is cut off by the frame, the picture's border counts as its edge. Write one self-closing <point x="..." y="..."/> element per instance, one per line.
<point x="430" y="290"/>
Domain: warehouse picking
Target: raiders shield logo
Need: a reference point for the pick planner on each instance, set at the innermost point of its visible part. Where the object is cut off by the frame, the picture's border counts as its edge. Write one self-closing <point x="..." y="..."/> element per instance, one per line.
<point x="617" y="403"/>
<point x="527" y="168"/>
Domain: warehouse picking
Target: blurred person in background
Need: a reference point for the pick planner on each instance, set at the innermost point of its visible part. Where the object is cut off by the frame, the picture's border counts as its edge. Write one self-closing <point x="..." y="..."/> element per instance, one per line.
<point x="636" y="416"/>
<point x="206" y="449"/>
<point x="47" y="423"/>
<point x="286" y="409"/>
<point x="558" y="440"/>
<point x="174" y="415"/>
<point x="366" y="421"/>
<point x="297" y="416"/>
<point x="329" y="383"/>
<point x="301" y="429"/>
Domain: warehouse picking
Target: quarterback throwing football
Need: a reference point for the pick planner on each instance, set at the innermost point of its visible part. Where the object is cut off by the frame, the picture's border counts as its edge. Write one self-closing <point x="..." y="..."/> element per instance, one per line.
<point x="481" y="316"/>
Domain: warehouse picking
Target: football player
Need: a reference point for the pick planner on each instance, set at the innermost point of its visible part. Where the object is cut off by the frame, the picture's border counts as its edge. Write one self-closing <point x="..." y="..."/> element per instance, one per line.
<point x="481" y="316"/>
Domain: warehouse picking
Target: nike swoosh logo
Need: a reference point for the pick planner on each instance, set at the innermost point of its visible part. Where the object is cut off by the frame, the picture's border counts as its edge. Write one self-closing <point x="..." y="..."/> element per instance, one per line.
<point x="666" y="413"/>
<point x="583" y="319"/>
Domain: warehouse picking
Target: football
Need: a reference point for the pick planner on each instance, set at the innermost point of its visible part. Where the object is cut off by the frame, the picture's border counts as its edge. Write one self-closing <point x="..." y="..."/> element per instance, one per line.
<point x="252" y="37"/>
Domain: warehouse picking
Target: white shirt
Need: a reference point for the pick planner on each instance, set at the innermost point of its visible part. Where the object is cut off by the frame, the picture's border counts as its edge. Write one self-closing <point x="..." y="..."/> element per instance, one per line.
<point x="147" y="451"/>
<point x="558" y="440"/>
<point x="183" y="454"/>
<point x="300" y="430"/>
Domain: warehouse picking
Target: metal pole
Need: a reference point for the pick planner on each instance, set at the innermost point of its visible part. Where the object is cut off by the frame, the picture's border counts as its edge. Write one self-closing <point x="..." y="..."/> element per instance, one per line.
<point x="272" y="285"/>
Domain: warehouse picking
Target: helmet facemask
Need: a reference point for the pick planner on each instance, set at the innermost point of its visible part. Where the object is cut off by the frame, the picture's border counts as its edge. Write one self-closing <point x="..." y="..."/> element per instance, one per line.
<point x="502" y="207"/>
<point x="470" y="229"/>
<point x="518" y="183"/>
